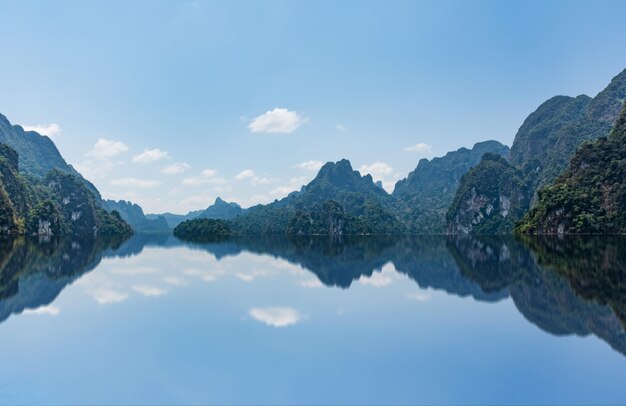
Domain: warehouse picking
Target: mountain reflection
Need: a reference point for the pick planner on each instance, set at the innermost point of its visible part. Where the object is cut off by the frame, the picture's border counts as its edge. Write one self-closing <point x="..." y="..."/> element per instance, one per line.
<point x="565" y="286"/>
<point x="34" y="271"/>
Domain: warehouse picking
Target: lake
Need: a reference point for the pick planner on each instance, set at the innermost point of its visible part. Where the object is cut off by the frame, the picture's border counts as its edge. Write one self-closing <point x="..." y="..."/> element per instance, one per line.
<point x="269" y="320"/>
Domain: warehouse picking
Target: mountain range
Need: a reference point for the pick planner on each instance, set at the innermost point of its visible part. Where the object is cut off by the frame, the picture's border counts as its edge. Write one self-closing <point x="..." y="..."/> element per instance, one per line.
<point x="554" y="177"/>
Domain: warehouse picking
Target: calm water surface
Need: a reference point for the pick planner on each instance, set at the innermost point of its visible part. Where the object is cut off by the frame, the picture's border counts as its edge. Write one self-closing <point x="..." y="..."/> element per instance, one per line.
<point x="313" y="321"/>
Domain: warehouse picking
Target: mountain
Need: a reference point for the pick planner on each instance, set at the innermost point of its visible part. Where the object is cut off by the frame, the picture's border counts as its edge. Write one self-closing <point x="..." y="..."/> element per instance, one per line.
<point x="173" y="219"/>
<point x="57" y="202"/>
<point x="490" y="198"/>
<point x="338" y="201"/>
<point x="133" y="214"/>
<point x="37" y="153"/>
<point x="543" y="147"/>
<point x="221" y="210"/>
<point x="423" y="198"/>
<point x="590" y="196"/>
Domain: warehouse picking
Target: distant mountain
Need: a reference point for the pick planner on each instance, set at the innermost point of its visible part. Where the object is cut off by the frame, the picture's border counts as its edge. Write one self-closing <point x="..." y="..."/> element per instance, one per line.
<point x="542" y="149"/>
<point x="172" y="219"/>
<point x="221" y="210"/>
<point x="37" y="153"/>
<point x="423" y="198"/>
<point x="133" y="214"/>
<point x="338" y="201"/>
<point x="590" y="196"/>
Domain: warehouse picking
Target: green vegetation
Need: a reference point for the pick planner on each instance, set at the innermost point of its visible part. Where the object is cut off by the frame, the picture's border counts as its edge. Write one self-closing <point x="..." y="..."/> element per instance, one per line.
<point x="37" y="153"/>
<point x="338" y="201"/>
<point x="590" y="197"/>
<point x="58" y="204"/>
<point x="221" y="210"/>
<point x="422" y="199"/>
<point x="203" y="229"/>
<point x="541" y="151"/>
<point x="490" y="198"/>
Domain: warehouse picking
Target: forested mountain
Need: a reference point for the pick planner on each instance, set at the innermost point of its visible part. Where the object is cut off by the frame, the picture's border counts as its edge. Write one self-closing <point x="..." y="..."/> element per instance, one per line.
<point x="491" y="197"/>
<point x="37" y="153"/>
<point x="47" y="196"/>
<point x="423" y="198"/>
<point x="221" y="210"/>
<point x="590" y="197"/>
<point x="542" y="149"/>
<point x="338" y="201"/>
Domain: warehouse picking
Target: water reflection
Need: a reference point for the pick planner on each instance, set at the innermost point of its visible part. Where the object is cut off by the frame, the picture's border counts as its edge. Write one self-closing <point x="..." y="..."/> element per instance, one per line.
<point x="567" y="286"/>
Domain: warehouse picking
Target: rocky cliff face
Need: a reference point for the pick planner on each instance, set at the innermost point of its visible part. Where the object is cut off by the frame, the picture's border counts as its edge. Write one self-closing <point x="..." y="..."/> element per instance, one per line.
<point x="490" y="199"/>
<point x="590" y="197"/>
<point x="423" y="198"/>
<point x="37" y="153"/>
<point x="58" y="204"/>
<point x="542" y="149"/>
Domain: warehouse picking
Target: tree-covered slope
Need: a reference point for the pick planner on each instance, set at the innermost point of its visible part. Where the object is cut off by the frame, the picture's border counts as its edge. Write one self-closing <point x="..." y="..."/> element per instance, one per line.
<point x="221" y="210"/>
<point x="59" y="204"/>
<point x="37" y="153"/>
<point x="423" y="198"/>
<point x="545" y="144"/>
<point x="490" y="198"/>
<point x="590" y="197"/>
<point x="338" y="201"/>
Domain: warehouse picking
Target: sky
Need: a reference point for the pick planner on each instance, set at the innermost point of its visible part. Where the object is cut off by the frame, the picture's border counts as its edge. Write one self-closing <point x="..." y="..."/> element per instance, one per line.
<point x="172" y="104"/>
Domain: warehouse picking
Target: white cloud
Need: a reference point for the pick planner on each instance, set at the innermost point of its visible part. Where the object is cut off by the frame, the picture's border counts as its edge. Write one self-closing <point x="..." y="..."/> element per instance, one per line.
<point x="341" y="128"/>
<point x="276" y="121"/>
<point x="176" y="169"/>
<point x="96" y="169"/>
<point x="135" y="182"/>
<point x="245" y="174"/>
<point x="149" y="155"/>
<point x="106" y="295"/>
<point x="104" y="149"/>
<point x="194" y="181"/>
<point x="175" y="281"/>
<point x="378" y="169"/>
<point x="207" y="176"/>
<point x="151" y="291"/>
<point x="49" y="310"/>
<point x="419" y="296"/>
<point x="421" y="148"/>
<point x="293" y="185"/>
<point x="51" y="130"/>
<point x="195" y="202"/>
<point x="377" y="279"/>
<point x="276" y="316"/>
<point x="261" y="180"/>
<point x="310" y="165"/>
<point x="209" y="173"/>
<point x="380" y="279"/>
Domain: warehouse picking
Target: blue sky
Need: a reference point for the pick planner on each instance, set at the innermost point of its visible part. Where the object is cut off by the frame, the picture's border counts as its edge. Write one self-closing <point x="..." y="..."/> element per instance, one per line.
<point x="171" y="104"/>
